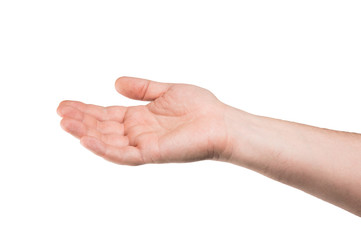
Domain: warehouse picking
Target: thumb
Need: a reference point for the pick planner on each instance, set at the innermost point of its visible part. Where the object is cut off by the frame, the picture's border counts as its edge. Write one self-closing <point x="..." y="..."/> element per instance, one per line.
<point x="140" y="89"/>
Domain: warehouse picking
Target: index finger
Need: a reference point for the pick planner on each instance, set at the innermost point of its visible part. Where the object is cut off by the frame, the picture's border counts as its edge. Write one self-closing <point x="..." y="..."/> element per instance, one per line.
<point x="113" y="113"/>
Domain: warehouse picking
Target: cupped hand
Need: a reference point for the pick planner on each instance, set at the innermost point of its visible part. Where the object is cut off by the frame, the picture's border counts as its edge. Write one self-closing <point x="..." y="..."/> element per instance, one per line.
<point x="181" y="123"/>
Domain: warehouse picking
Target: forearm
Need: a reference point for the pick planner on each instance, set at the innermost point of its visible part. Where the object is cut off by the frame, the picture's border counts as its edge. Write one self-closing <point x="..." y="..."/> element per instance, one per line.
<point x="322" y="162"/>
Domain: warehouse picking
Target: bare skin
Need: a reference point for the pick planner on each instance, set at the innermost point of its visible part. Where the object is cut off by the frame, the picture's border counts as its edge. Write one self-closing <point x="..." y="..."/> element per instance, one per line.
<point x="184" y="123"/>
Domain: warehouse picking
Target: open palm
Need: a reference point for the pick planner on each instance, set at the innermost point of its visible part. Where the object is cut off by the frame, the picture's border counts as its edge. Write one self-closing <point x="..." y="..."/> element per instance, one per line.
<point x="181" y="123"/>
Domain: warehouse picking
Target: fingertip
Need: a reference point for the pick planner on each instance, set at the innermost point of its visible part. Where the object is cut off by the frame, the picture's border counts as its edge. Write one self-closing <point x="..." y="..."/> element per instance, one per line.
<point x="128" y="86"/>
<point x="64" y="124"/>
<point x="62" y="104"/>
<point x="71" y="112"/>
<point x="58" y="111"/>
<point x="140" y="88"/>
<point x="74" y="127"/>
<point x="120" y="82"/>
<point x="119" y="79"/>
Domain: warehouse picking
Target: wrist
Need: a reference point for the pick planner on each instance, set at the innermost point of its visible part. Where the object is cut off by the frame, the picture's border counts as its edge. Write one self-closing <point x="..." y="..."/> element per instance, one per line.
<point x="235" y="124"/>
<point x="246" y="141"/>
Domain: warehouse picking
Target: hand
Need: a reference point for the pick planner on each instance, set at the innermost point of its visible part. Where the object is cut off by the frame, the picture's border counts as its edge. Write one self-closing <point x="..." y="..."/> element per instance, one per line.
<point x="182" y="123"/>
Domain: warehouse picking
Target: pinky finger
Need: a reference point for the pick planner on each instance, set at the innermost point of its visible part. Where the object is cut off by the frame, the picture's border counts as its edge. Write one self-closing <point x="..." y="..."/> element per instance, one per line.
<point x="127" y="155"/>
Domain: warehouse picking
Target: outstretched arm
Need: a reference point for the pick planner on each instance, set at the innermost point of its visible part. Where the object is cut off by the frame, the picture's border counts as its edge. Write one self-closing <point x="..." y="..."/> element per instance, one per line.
<point x="184" y="123"/>
<point x="322" y="162"/>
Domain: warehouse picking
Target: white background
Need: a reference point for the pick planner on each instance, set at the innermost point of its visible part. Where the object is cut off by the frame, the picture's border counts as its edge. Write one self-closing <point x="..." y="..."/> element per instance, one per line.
<point x="294" y="60"/>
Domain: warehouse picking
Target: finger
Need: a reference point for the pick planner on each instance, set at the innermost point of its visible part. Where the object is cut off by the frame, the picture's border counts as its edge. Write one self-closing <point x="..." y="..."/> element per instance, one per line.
<point x="104" y="127"/>
<point x="79" y="124"/>
<point x="140" y="89"/>
<point x="127" y="155"/>
<point x="93" y="110"/>
<point x="114" y="113"/>
<point x="70" y="112"/>
<point x="78" y="129"/>
<point x="74" y="127"/>
<point x="73" y="113"/>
